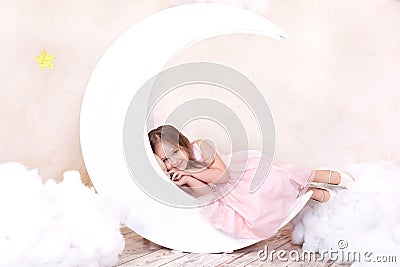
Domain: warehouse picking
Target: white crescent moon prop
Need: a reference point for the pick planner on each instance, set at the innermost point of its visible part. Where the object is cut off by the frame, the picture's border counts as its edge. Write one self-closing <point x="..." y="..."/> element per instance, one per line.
<point x="136" y="56"/>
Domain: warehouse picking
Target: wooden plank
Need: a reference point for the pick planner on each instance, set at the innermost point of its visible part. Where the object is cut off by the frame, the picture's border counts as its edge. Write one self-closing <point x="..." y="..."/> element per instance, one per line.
<point x="194" y="260"/>
<point x="155" y="258"/>
<point x="132" y="237"/>
<point x="126" y="257"/>
<point x="140" y="251"/>
<point x="214" y="259"/>
<point x="219" y="259"/>
<point x="125" y="230"/>
<point x="333" y="264"/>
<point x="131" y="255"/>
<point x="310" y="264"/>
<point x="240" y="257"/>
<point x="247" y="255"/>
<point x="135" y="247"/>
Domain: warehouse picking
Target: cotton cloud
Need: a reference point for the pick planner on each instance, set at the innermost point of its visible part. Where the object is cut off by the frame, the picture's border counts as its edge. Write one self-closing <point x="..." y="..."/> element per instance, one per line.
<point x="65" y="224"/>
<point x="364" y="218"/>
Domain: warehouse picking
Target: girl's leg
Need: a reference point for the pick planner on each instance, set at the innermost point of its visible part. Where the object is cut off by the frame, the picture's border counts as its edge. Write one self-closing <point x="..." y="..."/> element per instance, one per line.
<point x="319" y="195"/>
<point x="322" y="176"/>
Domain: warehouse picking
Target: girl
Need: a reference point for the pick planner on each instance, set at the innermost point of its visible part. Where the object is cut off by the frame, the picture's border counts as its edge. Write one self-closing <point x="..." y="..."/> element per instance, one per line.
<point x="200" y="170"/>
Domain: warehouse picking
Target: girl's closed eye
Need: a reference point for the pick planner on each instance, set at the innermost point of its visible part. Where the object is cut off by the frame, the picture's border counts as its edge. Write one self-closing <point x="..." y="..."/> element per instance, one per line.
<point x="175" y="151"/>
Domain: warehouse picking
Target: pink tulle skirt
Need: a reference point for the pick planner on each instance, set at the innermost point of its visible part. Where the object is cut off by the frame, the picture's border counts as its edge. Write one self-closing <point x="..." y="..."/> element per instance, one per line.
<point x="256" y="215"/>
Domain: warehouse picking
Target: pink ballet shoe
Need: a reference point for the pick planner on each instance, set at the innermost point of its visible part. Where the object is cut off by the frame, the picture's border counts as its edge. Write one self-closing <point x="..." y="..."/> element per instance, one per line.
<point x="345" y="178"/>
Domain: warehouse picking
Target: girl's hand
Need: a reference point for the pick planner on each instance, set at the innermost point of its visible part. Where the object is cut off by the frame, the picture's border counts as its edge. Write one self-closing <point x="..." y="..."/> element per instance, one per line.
<point x="177" y="174"/>
<point x="185" y="179"/>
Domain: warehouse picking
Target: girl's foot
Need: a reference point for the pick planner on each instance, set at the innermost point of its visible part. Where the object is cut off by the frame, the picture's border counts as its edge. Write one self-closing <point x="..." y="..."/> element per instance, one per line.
<point x="338" y="178"/>
<point x="322" y="176"/>
<point x="321" y="194"/>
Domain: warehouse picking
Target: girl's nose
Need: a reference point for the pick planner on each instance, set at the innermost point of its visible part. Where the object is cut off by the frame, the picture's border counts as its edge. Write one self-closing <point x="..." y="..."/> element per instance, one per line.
<point x="168" y="165"/>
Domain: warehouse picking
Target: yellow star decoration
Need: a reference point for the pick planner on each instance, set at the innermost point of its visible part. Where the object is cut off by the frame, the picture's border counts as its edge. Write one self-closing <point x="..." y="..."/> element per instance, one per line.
<point x="45" y="60"/>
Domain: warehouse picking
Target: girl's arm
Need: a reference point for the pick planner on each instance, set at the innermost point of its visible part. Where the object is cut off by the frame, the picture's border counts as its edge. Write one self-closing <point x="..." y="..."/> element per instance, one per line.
<point x="216" y="171"/>
<point x="194" y="186"/>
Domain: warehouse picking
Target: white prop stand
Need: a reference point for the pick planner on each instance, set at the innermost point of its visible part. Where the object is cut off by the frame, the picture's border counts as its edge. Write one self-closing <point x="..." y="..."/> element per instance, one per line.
<point x="137" y="55"/>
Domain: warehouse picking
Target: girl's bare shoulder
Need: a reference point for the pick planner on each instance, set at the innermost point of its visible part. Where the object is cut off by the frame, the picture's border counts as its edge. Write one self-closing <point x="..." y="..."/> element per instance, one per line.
<point x="197" y="142"/>
<point x="207" y="150"/>
<point x="203" y="144"/>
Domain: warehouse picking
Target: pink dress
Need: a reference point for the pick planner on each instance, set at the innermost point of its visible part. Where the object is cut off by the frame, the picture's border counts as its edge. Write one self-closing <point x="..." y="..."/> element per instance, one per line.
<point x="255" y="215"/>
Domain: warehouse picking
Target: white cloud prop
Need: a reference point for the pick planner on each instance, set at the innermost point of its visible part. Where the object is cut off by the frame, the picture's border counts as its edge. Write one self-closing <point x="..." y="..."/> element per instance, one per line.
<point x="366" y="216"/>
<point x="65" y="224"/>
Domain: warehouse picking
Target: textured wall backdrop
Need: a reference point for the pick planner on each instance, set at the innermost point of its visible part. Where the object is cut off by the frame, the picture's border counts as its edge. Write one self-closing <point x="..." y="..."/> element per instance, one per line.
<point x="333" y="86"/>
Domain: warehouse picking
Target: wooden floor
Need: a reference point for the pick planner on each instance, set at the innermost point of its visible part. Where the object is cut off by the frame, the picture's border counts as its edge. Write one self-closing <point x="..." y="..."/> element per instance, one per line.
<point x="141" y="252"/>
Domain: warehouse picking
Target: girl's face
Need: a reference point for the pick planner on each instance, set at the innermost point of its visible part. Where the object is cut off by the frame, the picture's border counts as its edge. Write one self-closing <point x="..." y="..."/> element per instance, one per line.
<point x="172" y="156"/>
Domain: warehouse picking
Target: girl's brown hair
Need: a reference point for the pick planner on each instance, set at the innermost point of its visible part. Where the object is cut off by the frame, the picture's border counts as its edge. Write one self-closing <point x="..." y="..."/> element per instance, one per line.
<point x="169" y="134"/>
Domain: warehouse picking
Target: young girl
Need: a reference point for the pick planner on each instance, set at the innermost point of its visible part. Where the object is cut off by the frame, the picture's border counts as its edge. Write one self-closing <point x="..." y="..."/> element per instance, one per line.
<point x="198" y="168"/>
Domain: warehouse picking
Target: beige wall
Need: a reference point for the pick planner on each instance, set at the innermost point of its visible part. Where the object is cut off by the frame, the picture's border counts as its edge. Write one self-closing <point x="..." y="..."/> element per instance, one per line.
<point x="333" y="86"/>
<point x="40" y="109"/>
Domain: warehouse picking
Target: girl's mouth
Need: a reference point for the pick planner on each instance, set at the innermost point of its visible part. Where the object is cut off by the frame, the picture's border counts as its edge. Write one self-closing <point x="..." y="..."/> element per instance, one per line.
<point x="179" y="165"/>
